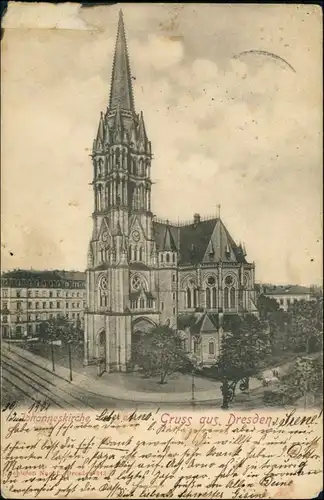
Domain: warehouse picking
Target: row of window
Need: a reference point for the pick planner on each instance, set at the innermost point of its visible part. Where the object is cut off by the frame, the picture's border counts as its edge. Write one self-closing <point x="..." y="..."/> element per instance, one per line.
<point x="211" y="347"/>
<point x="46" y="305"/>
<point x="118" y="158"/>
<point x="195" y="346"/>
<point x="229" y="295"/>
<point x="168" y="258"/>
<point x="142" y="304"/>
<point x="287" y="301"/>
<point x="40" y="317"/>
<point x="44" y="293"/>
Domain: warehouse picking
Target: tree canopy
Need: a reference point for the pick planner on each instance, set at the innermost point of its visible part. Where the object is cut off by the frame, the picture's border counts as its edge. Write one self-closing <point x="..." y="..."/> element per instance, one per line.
<point x="159" y="352"/>
<point x="244" y="348"/>
<point x="305" y="325"/>
<point x="60" y="329"/>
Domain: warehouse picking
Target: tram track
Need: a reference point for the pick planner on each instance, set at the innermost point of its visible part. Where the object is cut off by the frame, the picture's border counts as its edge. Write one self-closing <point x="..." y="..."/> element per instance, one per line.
<point x="37" y="379"/>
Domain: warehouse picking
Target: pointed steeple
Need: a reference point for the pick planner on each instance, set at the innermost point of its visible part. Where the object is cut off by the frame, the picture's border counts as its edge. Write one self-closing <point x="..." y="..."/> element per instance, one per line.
<point x="121" y="91"/>
<point x="168" y="241"/>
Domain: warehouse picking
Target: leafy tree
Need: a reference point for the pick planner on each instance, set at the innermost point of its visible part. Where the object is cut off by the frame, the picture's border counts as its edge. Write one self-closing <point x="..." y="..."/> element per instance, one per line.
<point x="159" y="352"/>
<point x="244" y="349"/>
<point x="266" y="306"/>
<point x="305" y="325"/>
<point x="55" y="329"/>
<point x="304" y="376"/>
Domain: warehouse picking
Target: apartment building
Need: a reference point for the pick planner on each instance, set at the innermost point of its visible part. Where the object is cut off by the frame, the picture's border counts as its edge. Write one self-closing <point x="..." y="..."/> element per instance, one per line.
<point x="30" y="297"/>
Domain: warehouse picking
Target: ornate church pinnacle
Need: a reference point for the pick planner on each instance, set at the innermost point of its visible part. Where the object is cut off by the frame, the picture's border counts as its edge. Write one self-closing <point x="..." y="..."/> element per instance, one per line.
<point x="121" y="91"/>
<point x="141" y="130"/>
<point x="101" y="129"/>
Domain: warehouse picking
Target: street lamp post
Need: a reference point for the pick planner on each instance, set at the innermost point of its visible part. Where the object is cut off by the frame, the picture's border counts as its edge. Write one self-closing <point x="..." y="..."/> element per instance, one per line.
<point x="9" y="336"/>
<point x="52" y="353"/>
<point x="193" y="386"/>
<point x="70" y="359"/>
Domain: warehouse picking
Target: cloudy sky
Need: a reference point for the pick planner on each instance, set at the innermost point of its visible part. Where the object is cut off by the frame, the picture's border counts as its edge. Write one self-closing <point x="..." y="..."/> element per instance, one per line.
<point x="231" y="96"/>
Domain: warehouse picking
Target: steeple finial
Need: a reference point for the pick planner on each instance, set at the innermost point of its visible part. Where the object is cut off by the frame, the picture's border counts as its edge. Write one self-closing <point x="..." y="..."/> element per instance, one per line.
<point x="121" y="91"/>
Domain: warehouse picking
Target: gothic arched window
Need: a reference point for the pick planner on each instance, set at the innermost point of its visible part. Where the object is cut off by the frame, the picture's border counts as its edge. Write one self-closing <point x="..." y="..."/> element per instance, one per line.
<point x="167" y="257"/>
<point x="140" y="170"/>
<point x="211" y="347"/>
<point x="208" y="298"/>
<point x="191" y="294"/>
<point x="140" y="254"/>
<point x="211" y="293"/>
<point x="188" y="298"/>
<point x="137" y="282"/>
<point x="117" y="158"/>
<point x="100" y="164"/>
<point x="226" y="297"/>
<point x="233" y="297"/>
<point x="137" y="197"/>
<point x="103" y="292"/>
<point x="214" y="297"/>
<point x="142" y="304"/>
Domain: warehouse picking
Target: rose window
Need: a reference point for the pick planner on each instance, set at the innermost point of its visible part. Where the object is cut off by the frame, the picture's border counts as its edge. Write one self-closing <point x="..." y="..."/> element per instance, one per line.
<point x="211" y="281"/>
<point x="104" y="283"/>
<point x="136" y="283"/>
<point x="229" y="280"/>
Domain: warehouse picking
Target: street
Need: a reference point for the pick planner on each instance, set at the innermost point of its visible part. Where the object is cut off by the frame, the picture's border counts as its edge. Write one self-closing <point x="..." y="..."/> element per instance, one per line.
<point x="27" y="382"/>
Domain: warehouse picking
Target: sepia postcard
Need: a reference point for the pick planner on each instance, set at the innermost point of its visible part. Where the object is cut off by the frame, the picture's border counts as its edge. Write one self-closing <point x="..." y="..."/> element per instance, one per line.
<point x="161" y="251"/>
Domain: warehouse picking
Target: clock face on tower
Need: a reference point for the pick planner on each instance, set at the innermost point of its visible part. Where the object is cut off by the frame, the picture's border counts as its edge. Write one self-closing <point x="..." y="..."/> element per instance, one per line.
<point x="104" y="236"/>
<point x="135" y="235"/>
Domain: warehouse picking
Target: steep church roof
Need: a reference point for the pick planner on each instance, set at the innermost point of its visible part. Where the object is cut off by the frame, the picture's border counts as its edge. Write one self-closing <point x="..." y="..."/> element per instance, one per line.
<point x="194" y="241"/>
<point x="121" y="92"/>
<point x="207" y="323"/>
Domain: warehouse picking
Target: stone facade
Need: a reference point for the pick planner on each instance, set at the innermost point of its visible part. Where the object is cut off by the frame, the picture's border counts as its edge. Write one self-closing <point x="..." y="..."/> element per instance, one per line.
<point x="143" y="271"/>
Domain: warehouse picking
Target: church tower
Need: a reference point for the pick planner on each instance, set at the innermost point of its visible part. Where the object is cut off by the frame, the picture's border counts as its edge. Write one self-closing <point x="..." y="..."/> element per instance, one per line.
<point x="122" y="235"/>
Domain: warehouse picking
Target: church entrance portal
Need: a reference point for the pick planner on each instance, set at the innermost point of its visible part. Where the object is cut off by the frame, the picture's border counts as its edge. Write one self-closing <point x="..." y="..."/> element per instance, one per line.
<point x="139" y="328"/>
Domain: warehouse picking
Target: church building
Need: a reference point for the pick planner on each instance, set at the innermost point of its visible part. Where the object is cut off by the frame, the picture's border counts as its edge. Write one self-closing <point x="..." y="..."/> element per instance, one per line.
<point x="143" y="271"/>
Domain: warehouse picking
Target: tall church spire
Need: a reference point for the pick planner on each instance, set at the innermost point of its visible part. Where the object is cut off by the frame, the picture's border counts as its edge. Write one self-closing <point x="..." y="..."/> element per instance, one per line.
<point x="121" y="92"/>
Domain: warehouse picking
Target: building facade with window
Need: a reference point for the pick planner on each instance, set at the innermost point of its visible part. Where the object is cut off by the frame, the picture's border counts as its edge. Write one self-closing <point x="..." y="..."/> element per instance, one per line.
<point x="31" y="297"/>
<point x="286" y="295"/>
<point x="143" y="271"/>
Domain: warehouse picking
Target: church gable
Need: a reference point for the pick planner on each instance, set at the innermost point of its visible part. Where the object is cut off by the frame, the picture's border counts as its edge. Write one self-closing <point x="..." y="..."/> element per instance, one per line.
<point x="159" y="233"/>
<point x="136" y="231"/>
<point x="222" y="246"/>
<point x="194" y="239"/>
<point x="104" y="234"/>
